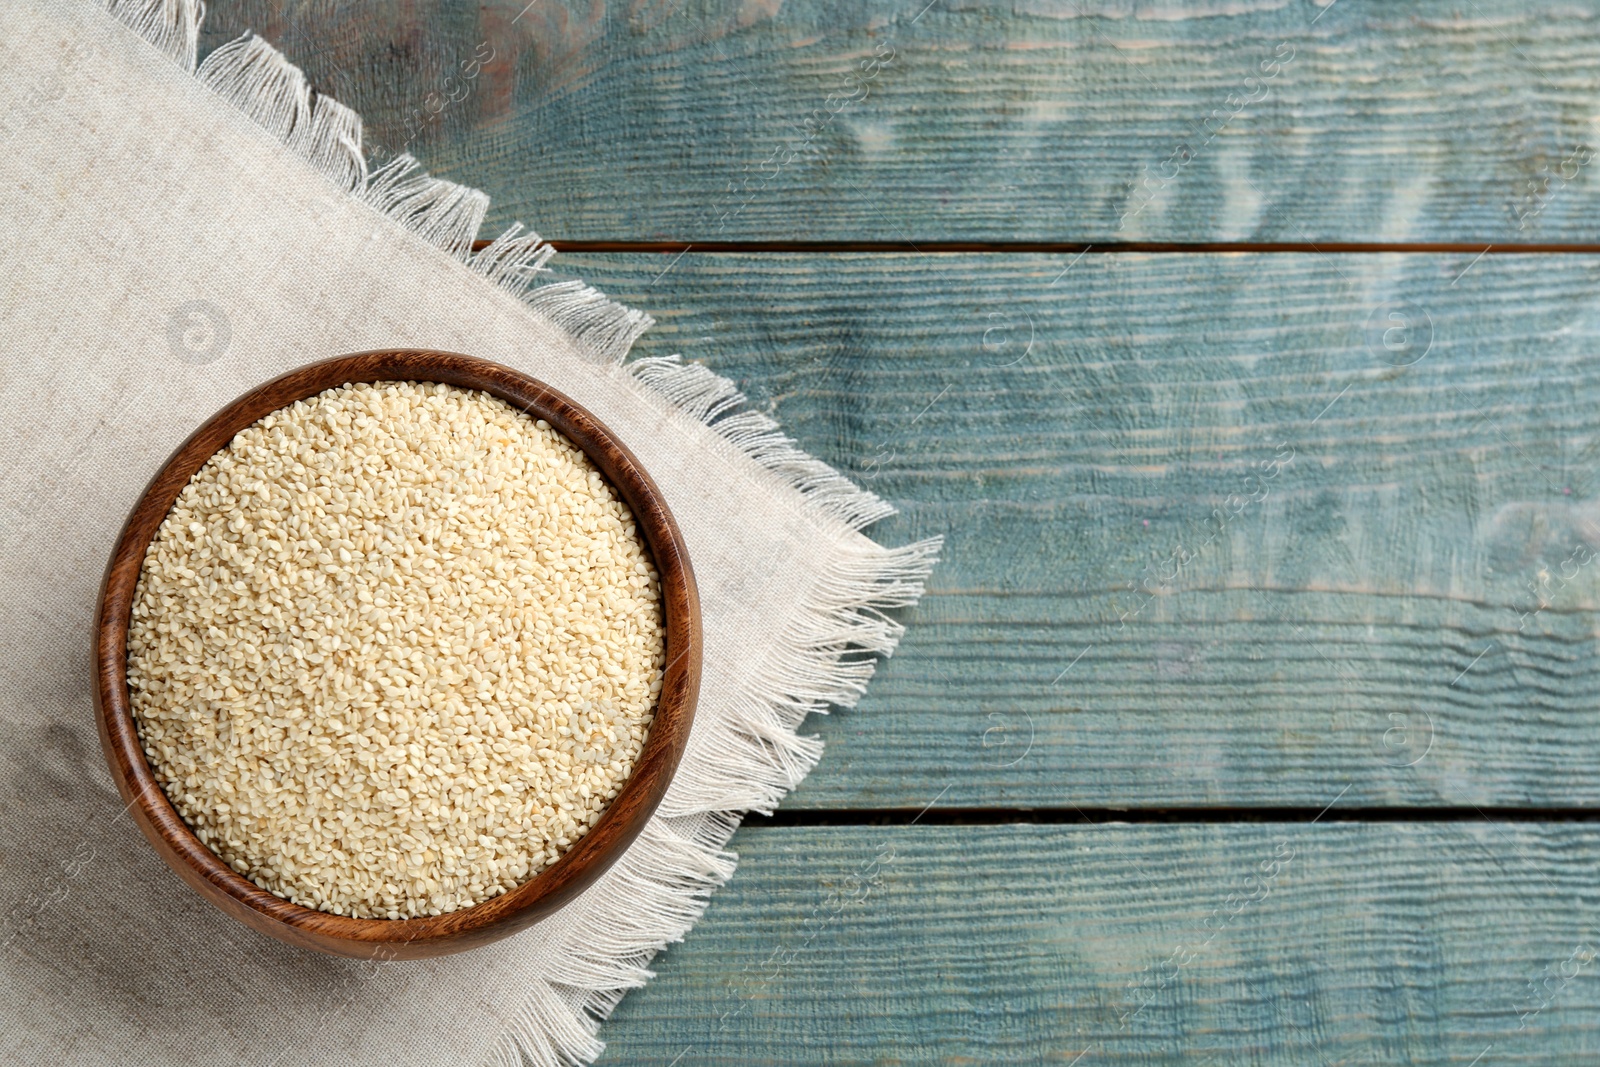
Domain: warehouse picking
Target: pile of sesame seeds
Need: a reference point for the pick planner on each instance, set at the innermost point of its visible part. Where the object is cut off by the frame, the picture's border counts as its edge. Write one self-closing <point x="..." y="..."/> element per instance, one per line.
<point x="394" y="649"/>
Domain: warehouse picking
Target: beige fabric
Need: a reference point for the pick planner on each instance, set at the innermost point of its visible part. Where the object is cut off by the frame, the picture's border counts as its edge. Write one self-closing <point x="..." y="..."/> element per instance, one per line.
<point x="162" y="253"/>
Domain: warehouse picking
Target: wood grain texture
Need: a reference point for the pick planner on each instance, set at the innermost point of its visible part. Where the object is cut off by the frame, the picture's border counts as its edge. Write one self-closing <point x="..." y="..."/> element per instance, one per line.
<point x="1409" y="609"/>
<point x="1363" y="540"/>
<point x="587" y="859"/>
<point x="1046" y="119"/>
<point x="1333" y="945"/>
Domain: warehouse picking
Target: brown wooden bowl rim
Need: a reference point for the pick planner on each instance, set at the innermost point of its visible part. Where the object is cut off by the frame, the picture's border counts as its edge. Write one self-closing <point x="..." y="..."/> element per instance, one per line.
<point x="585" y="861"/>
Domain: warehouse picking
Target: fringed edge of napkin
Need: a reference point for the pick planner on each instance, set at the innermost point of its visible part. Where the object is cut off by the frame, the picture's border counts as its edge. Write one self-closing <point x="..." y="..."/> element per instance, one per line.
<point x="826" y="658"/>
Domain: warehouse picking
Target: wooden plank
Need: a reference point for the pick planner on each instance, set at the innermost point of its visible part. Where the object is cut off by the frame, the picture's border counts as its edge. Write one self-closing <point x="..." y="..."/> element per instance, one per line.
<point x="1369" y="622"/>
<point x="707" y="120"/>
<point x="1329" y="944"/>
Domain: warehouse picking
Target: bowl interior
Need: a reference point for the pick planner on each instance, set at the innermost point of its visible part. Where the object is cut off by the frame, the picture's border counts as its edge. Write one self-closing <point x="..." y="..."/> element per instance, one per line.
<point x="552" y="887"/>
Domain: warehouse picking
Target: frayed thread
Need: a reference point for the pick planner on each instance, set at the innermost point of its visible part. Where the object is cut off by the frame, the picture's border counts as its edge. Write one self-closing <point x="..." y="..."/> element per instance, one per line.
<point x="446" y="215"/>
<point x="667" y="876"/>
<point x="716" y="401"/>
<point x="257" y="79"/>
<point x="331" y="142"/>
<point x="513" y="260"/>
<point x="173" y="26"/>
<point x="604" y="329"/>
<point x="547" y="1032"/>
<point x="254" y="77"/>
<point x="750" y="758"/>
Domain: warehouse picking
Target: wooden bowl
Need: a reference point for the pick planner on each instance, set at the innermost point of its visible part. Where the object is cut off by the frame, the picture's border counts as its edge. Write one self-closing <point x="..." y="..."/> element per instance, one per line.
<point x="557" y="884"/>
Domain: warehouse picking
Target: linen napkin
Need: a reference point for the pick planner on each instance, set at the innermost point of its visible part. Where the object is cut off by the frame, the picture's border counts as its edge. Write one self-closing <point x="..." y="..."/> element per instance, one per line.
<point x="175" y="233"/>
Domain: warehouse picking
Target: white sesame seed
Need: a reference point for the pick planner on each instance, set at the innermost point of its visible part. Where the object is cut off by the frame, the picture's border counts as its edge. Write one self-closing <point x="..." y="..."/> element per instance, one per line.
<point x="373" y="635"/>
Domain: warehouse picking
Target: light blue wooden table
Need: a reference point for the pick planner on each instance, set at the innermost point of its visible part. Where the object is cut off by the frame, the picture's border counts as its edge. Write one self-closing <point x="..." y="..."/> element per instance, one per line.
<point x="1248" y="357"/>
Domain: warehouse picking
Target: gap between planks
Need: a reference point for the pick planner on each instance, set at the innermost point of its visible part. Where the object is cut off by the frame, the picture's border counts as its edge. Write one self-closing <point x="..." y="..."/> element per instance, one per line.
<point x="1073" y="814"/>
<point x="1072" y="247"/>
